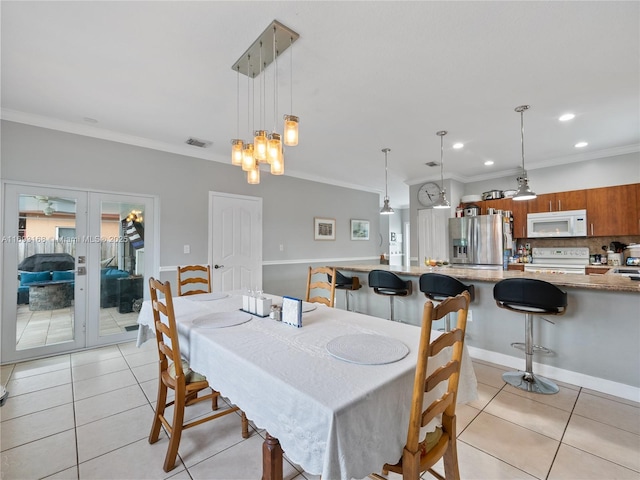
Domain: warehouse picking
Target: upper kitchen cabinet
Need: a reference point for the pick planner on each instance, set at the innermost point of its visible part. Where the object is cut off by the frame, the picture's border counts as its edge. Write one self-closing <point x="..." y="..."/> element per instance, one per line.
<point x="613" y="211"/>
<point x="520" y="210"/>
<point x="555" y="202"/>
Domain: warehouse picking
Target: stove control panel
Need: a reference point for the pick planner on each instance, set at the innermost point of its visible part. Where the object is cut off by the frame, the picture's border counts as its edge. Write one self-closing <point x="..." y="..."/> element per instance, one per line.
<point x="562" y="253"/>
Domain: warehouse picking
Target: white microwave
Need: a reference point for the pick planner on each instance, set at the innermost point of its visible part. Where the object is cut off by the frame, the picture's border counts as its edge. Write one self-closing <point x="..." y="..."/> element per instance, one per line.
<point x="570" y="223"/>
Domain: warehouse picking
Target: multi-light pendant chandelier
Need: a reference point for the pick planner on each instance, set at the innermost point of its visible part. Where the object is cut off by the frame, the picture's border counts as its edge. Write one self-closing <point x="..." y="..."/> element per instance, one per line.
<point x="264" y="147"/>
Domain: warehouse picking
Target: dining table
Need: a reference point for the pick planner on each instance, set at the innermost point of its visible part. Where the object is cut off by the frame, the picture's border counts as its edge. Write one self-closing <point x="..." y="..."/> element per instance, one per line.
<point x="334" y="394"/>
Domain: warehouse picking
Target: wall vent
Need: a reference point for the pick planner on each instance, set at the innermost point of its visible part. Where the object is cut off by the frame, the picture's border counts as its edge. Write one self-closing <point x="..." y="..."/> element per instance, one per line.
<point x="197" y="143"/>
<point x="432" y="164"/>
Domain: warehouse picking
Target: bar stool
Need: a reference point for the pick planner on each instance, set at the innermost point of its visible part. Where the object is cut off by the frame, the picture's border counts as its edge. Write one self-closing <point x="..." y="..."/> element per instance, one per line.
<point x="530" y="297"/>
<point x="389" y="284"/>
<point x="438" y="287"/>
<point x="347" y="284"/>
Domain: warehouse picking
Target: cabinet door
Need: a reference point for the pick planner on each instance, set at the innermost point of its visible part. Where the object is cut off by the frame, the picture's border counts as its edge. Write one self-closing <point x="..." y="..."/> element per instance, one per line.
<point x="573" y="200"/>
<point x="542" y="203"/>
<point x="612" y="211"/>
<point x="520" y="210"/>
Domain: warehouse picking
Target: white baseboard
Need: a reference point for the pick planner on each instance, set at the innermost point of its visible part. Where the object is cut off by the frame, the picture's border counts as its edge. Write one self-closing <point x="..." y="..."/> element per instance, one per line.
<point x="574" y="378"/>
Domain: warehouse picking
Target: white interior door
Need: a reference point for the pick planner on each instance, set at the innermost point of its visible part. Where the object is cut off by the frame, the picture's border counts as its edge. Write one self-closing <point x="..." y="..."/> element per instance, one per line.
<point x="235" y="241"/>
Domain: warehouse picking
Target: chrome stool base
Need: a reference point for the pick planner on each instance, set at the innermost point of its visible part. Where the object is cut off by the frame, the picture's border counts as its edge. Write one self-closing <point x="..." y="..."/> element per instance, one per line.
<point x="529" y="382"/>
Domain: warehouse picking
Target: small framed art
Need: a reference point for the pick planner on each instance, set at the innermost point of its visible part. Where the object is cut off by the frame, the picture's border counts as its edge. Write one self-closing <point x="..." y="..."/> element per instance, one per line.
<point x="359" y="229"/>
<point x="324" y="228"/>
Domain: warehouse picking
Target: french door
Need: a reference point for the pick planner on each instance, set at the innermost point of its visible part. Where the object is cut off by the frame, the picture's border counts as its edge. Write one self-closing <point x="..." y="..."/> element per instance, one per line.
<point x="73" y="268"/>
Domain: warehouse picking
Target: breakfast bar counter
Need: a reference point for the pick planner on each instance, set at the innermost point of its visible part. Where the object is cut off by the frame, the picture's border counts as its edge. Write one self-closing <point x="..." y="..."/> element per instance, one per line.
<point x="594" y="345"/>
<point x="614" y="283"/>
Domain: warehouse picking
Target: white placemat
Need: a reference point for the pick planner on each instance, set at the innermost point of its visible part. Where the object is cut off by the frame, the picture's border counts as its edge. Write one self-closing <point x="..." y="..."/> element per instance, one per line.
<point x="205" y="297"/>
<point x="367" y="349"/>
<point x="308" y="307"/>
<point x="221" y="319"/>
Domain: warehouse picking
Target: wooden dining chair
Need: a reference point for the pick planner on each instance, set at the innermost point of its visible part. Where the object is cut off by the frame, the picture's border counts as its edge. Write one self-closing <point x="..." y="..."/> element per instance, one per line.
<point x="327" y="293"/>
<point x="198" y="275"/>
<point x="419" y="456"/>
<point x="176" y="375"/>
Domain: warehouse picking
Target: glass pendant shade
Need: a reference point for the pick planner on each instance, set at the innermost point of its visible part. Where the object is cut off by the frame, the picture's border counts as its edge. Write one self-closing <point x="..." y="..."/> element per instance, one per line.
<point x="291" y="130"/>
<point x="274" y="148"/>
<point x="260" y="146"/>
<point x="277" y="166"/>
<point x="248" y="160"/>
<point x="253" y="175"/>
<point x="236" y="152"/>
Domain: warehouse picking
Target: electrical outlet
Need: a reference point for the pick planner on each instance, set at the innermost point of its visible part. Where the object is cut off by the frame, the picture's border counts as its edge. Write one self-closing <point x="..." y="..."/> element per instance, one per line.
<point x="469" y="316"/>
<point x="187" y="249"/>
<point x="282" y="247"/>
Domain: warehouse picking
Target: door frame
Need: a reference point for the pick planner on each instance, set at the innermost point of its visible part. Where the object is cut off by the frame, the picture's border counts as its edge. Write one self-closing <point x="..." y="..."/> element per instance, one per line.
<point x="256" y="226"/>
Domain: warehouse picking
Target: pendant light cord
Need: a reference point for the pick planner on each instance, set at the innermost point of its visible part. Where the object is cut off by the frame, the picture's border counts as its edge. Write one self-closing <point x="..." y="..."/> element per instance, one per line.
<point x="522" y="138"/>
<point x="275" y="81"/>
<point x="441" y="163"/>
<point x="238" y="103"/>
<point x="291" y="71"/>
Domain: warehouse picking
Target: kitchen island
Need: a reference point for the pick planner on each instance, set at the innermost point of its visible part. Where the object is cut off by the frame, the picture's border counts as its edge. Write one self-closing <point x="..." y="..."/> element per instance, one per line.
<point x="596" y="344"/>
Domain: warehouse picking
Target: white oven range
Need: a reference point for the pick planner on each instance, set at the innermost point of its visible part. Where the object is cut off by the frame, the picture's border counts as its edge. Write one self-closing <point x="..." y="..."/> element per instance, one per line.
<point x="558" y="260"/>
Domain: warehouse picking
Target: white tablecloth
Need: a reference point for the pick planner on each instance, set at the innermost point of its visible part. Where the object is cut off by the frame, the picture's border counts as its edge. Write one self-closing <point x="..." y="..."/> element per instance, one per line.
<point x="338" y="419"/>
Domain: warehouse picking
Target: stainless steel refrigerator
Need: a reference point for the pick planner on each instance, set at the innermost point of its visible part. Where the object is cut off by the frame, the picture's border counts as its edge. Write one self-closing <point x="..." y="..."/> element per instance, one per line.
<point x="477" y="240"/>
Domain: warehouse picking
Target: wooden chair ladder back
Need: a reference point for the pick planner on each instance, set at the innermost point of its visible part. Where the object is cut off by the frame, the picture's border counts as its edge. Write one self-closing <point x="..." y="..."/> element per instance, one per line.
<point x="186" y="385"/>
<point x="419" y="456"/>
<point x="313" y="283"/>
<point x="194" y="275"/>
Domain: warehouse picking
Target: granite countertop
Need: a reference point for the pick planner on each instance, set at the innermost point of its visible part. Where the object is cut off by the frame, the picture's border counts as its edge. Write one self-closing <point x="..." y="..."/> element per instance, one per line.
<point x="614" y="283"/>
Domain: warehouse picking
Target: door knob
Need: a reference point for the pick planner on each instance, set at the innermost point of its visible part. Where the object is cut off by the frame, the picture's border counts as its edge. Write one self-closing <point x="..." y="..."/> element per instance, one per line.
<point x="218" y="266"/>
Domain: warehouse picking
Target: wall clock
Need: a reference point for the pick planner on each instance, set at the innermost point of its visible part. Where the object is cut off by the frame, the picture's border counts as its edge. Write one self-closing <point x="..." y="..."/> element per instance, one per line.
<point x="428" y="194"/>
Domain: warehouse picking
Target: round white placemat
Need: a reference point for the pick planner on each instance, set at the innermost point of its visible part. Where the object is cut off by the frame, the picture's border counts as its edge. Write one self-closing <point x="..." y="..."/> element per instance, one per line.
<point x="367" y="349"/>
<point x="308" y="307"/>
<point x="205" y="297"/>
<point x="221" y="319"/>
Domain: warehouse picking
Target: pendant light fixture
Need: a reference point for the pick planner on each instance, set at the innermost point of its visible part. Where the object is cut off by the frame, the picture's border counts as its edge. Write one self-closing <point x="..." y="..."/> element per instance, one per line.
<point x="442" y="201"/>
<point x="386" y="209"/>
<point x="524" y="191"/>
<point x="291" y="121"/>
<point x="237" y="144"/>
<point x="264" y="147"/>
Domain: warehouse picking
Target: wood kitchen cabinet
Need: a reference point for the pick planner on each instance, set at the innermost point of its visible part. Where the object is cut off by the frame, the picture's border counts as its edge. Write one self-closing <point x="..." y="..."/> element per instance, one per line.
<point x="613" y="211"/>
<point x="520" y="210"/>
<point x="555" y="202"/>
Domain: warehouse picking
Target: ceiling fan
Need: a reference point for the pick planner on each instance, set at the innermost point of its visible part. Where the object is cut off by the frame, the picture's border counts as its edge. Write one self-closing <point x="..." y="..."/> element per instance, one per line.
<point x="49" y="209"/>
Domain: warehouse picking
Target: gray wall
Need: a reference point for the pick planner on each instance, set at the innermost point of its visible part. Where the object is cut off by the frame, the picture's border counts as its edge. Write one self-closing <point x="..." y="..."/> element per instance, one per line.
<point x="49" y="157"/>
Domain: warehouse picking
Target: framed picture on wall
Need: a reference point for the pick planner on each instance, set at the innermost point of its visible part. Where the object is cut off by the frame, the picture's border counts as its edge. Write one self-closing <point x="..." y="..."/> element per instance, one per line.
<point x="324" y="228"/>
<point x="359" y="229"/>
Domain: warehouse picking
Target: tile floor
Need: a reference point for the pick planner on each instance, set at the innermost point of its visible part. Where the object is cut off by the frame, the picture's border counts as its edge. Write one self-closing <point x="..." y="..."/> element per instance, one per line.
<point x="47" y="327"/>
<point x="87" y="415"/>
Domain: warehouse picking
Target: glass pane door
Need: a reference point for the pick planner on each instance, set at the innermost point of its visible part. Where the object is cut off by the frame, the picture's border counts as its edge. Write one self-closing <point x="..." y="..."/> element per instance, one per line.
<point x="44" y="287"/>
<point x="117" y="268"/>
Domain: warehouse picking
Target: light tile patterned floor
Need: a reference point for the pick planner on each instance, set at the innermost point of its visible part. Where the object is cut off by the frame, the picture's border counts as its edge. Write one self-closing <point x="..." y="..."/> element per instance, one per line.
<point x="47" y="327"/>
<point x="87" y="415"/>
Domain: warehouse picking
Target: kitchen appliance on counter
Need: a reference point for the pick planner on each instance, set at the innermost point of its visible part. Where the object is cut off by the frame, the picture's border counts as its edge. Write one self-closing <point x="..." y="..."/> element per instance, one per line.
<point x="558" y="260"/>
<point x="478" y="241"/>
<point x="569" y="223"/>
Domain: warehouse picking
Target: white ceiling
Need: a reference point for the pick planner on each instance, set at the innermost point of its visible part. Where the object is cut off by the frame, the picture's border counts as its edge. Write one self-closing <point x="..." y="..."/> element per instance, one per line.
<point x="367" y="75"/>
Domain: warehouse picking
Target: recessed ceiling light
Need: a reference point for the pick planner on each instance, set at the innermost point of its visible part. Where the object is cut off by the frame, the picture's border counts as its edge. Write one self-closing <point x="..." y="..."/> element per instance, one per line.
<point x="566" y="117"/>
<point x="488" y="162"/>
<point x="581" y="144"/>
<point x="457" y="146"/>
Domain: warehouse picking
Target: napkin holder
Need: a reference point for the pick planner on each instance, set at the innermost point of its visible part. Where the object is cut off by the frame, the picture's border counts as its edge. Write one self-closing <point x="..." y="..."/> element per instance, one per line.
<point x="246" y="303"/>
<point x="292" y="311"/>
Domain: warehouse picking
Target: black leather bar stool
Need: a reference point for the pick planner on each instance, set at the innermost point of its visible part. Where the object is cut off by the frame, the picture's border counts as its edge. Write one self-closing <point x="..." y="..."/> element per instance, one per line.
<point x="438" y="287"/>
<point x="347" y="284"/>
<point x="531" y="297"/>
<point x="389" y="284"/>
